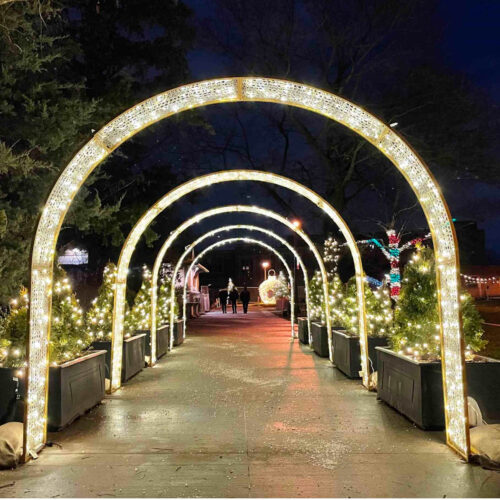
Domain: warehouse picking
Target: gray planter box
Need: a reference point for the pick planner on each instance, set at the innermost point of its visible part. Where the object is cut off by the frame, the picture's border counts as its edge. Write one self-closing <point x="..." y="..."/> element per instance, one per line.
<point x="74" y="388"/>
<point x="178" y="332"/>
<point x="320" y="340"/>
<point x="161" y="342"/>
<point x="347" y="353"/>
<point x="303" y="330"/>
<point x="415" y="388"/>
<point x="132" y="357"/>
<point x="12" y="394"/>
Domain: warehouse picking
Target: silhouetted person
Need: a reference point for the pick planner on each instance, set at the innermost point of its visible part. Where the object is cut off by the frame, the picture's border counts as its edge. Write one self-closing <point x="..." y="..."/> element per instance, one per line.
<point x="223" y="300"/>
<point x="233" y="297"/>
<point x="245" y="299"/>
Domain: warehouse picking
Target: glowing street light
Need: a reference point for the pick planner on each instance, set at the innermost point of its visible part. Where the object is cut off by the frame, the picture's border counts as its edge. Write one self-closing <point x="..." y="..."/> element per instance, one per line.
<point x="265" y="265"/>
<point x="297" y="223"/>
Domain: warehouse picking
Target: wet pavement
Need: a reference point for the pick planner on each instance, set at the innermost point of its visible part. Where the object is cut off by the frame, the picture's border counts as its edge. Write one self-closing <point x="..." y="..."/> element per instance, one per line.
<point x="239" y="410"/>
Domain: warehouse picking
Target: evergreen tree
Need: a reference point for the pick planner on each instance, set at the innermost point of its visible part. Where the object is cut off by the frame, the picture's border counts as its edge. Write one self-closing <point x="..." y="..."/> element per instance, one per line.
<point x="99" y="317"/>
<point x="379" y="317"/>
<point x="68" y="336"/>
<point x="164" y="301"/>
<point x="281" y="288"/>
<point x="416" y="315"/>
<point x="316" y="298"/>
<point x="140" y="315"/>
<point x="230" y="285"/>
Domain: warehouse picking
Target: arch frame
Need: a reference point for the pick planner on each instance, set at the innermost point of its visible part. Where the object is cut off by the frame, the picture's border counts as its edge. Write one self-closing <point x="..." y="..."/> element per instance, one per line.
<point x="244" y="239"/>
<point x="228" y="228"/>
<point x="255" y="89"/>
<point x="218" y="211"/>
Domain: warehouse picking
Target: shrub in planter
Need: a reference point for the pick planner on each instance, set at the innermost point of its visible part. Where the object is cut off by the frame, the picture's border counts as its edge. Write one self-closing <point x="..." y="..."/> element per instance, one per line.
<point x="76" y="380"/>
<point x="99" y="321"/>
<point x="379" y="322"/>
<point x="410" y="374"/>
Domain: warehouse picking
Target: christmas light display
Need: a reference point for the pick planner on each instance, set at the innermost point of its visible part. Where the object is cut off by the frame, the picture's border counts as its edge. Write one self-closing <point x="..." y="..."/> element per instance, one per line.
<point x="253" y="241"/>
<point x="222" y="210"/>
<point x="236" y="89"/>
<point x="214" y="232"/>
<point x="267" y="288"/>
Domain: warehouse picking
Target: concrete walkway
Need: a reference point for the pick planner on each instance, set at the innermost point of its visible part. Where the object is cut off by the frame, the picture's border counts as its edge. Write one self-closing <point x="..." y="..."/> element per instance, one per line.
<point x="239" y="410"/>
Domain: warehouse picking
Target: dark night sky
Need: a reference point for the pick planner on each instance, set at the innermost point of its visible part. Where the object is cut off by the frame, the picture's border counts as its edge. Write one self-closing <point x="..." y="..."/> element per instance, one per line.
<point x="469" y="44"/>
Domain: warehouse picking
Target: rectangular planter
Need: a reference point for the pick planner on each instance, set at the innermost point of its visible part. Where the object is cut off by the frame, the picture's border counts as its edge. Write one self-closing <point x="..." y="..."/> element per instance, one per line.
<point x="347" y="353"/>
<point x="161" y="342"/>
<point x="12" y="393"/>
<point x="320" y="339"/>
<point x="178" y="332"/>
<point x="303" y="330"/>
<point x="132" y="358"/>
<point x="74" y="388"/>
<point x="415" y="389"/>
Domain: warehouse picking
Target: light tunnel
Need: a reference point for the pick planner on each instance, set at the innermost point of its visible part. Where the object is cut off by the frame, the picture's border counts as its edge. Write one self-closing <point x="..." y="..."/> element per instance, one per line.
<point x="251" y="89"/>
<point x="214" y="232"/>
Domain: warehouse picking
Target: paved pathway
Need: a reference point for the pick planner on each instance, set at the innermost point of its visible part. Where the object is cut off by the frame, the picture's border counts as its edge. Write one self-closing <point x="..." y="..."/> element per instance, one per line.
<point x="239" y="411"/>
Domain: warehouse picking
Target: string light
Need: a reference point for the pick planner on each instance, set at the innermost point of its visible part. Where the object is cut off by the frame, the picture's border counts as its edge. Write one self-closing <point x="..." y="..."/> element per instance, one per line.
<point x="237" y="89"/>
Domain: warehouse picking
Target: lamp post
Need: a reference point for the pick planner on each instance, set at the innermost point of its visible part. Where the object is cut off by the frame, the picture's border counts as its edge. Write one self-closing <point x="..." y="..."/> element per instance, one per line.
<point x="265" y="265"/>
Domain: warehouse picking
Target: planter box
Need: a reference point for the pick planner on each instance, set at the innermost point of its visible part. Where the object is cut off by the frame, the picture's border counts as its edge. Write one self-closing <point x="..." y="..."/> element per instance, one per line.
<point x="415" y="388"/>
<point x="161" y="342"/>
<point x="74" y="388"/>
<point x="320" y="339"/>
<point x="347" y="353"/>
<point x="178" y="332"/>
<point x="133" y="355"/>
<point x="303" y="330"/>
<point x="12" y="393"/>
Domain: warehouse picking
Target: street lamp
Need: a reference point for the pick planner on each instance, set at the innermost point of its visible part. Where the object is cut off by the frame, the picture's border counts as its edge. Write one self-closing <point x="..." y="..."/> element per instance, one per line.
<point x="296" y="223"/>
<point x="265" y="265"/>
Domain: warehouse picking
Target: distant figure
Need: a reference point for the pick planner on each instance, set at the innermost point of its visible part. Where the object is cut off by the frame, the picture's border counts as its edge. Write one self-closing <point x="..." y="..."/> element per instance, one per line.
<point x="245" y="299"/>
<point x="223" y="300"/>
<point x="233" y="297"/>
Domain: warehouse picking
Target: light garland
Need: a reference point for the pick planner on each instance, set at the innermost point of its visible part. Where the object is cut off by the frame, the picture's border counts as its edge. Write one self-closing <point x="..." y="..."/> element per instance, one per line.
<point x="218" y="211"/>
<point x="229" y="241"/>
<point x="209" y="234"/>
<point x="238" y="89"/>
<point x="478" y="279"/>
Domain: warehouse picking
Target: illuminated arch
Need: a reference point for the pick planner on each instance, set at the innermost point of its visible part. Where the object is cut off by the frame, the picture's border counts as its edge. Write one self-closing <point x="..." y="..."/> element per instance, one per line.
<point x="232" y="176"/>
<point x="253" y="89"/>
<point x="209" y="234"/>
<point x="209" y="213"/>
<point x="228" y="241"/>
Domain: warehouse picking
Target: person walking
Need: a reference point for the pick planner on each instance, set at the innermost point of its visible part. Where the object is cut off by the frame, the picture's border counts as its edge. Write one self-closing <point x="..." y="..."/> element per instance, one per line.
<point x="245" y="299"/>
<point x="223" y="300"/>
<point x="233" y="297"/>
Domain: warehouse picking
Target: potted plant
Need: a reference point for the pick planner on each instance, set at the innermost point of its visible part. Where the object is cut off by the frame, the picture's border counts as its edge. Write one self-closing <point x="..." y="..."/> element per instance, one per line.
<point x="76" y="376"/>
<point x="99" y="320"/>
<point x="319" y="334"/>
<point x="409" y="377"/>
<point x="282" y="294"/>
<point x="379" y="319"/>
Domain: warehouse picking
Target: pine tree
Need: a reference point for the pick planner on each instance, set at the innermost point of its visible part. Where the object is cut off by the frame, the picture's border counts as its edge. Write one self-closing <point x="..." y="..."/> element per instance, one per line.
<point x="316" y="298"/>
<point x="164" y="301"/>
<point x="68" y="336"/>
<point x="281" y="288"/>
<point x="416" y="315"/>
<point x="230" y="285"/>
<point x="99" y="317"/>
<point x="379" y="317"/>
<point x="140" y="315"/>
